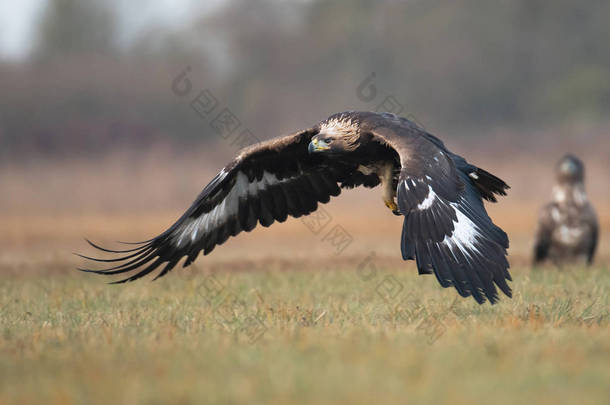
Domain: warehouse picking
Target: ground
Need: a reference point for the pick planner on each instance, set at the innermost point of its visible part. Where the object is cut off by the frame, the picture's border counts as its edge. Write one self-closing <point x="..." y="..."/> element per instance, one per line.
<point x="290" y="336"/>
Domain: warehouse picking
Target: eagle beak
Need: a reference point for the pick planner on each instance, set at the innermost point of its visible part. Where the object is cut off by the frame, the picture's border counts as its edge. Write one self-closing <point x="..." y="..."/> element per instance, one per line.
<point x="317" y="145"/>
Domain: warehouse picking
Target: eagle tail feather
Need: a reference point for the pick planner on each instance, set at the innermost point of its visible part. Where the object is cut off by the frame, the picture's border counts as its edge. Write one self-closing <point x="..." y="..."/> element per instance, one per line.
<point x="488" y="185"/>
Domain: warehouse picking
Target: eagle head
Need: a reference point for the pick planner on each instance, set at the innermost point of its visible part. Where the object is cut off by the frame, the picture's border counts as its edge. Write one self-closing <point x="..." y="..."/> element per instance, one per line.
<point x="570" y="169"/>
<point x="336" y="135"/>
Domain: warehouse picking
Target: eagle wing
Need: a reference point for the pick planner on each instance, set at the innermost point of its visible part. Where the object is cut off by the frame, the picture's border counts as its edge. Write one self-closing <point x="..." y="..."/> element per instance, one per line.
<point x="593" y="223"/>
<point x="446" y="228"/>
<point x="265" y="183"/>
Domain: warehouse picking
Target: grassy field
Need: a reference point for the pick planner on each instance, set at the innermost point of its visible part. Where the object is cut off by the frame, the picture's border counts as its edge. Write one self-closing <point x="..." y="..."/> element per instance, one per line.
<point x="328" y="335"/>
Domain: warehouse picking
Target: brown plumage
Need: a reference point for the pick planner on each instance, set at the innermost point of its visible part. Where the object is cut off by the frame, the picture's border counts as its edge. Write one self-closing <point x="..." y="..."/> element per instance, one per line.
<point x="445" y="226"/>
<point x="567" y="228"/>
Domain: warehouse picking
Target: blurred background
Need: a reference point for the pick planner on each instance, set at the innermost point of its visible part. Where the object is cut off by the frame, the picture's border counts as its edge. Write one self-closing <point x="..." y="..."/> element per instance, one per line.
<point x="99" y="137"/>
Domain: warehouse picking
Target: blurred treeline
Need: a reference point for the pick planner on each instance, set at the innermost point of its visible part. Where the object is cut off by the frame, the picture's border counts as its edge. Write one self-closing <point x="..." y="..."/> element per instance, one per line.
<point x="464" y="66"/>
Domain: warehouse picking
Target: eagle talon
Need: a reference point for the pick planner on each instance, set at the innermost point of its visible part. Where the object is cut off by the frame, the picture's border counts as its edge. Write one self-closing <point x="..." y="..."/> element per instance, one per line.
<point x="392" y="206"/>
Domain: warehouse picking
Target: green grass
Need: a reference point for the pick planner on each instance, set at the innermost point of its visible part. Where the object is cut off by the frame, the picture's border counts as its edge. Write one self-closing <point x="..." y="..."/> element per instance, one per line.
<point x="326" y="336"/>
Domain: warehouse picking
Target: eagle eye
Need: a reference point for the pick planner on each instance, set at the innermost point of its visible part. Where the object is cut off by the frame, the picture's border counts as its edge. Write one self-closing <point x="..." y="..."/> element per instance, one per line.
<point x="327" y="140"/>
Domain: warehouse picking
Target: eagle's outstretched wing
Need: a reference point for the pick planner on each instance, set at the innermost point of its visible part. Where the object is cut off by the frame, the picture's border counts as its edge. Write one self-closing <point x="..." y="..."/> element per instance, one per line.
<point x="446" y="228"/>
<point x="265" y="183"/>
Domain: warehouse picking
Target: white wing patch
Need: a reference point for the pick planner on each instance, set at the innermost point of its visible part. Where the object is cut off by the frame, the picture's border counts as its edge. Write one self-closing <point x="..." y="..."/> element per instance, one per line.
<point x="464" y="233"/>
<point x="197" y="228"/>
<point x="428" y="201"/>
<point x="414" y="183"/>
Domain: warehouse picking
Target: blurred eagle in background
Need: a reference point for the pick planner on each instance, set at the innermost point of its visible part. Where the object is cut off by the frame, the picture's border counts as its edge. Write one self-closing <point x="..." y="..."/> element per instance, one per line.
<point x="567" y="227"/>
<point x="438" y="193"/>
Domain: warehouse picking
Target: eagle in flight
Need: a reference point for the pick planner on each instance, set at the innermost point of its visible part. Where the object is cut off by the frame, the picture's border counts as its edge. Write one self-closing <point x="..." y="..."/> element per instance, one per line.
<point x="567" y="227"/>
<point x="438" y="193"/>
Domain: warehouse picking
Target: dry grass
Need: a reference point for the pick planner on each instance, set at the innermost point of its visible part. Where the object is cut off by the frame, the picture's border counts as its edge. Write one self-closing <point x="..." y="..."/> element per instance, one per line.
<point x="328" y="335"/>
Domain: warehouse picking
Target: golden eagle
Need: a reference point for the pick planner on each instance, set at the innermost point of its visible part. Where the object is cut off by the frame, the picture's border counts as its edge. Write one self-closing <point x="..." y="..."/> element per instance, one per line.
<point x="567" y="227"/>
<point x="446" y="228"/>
